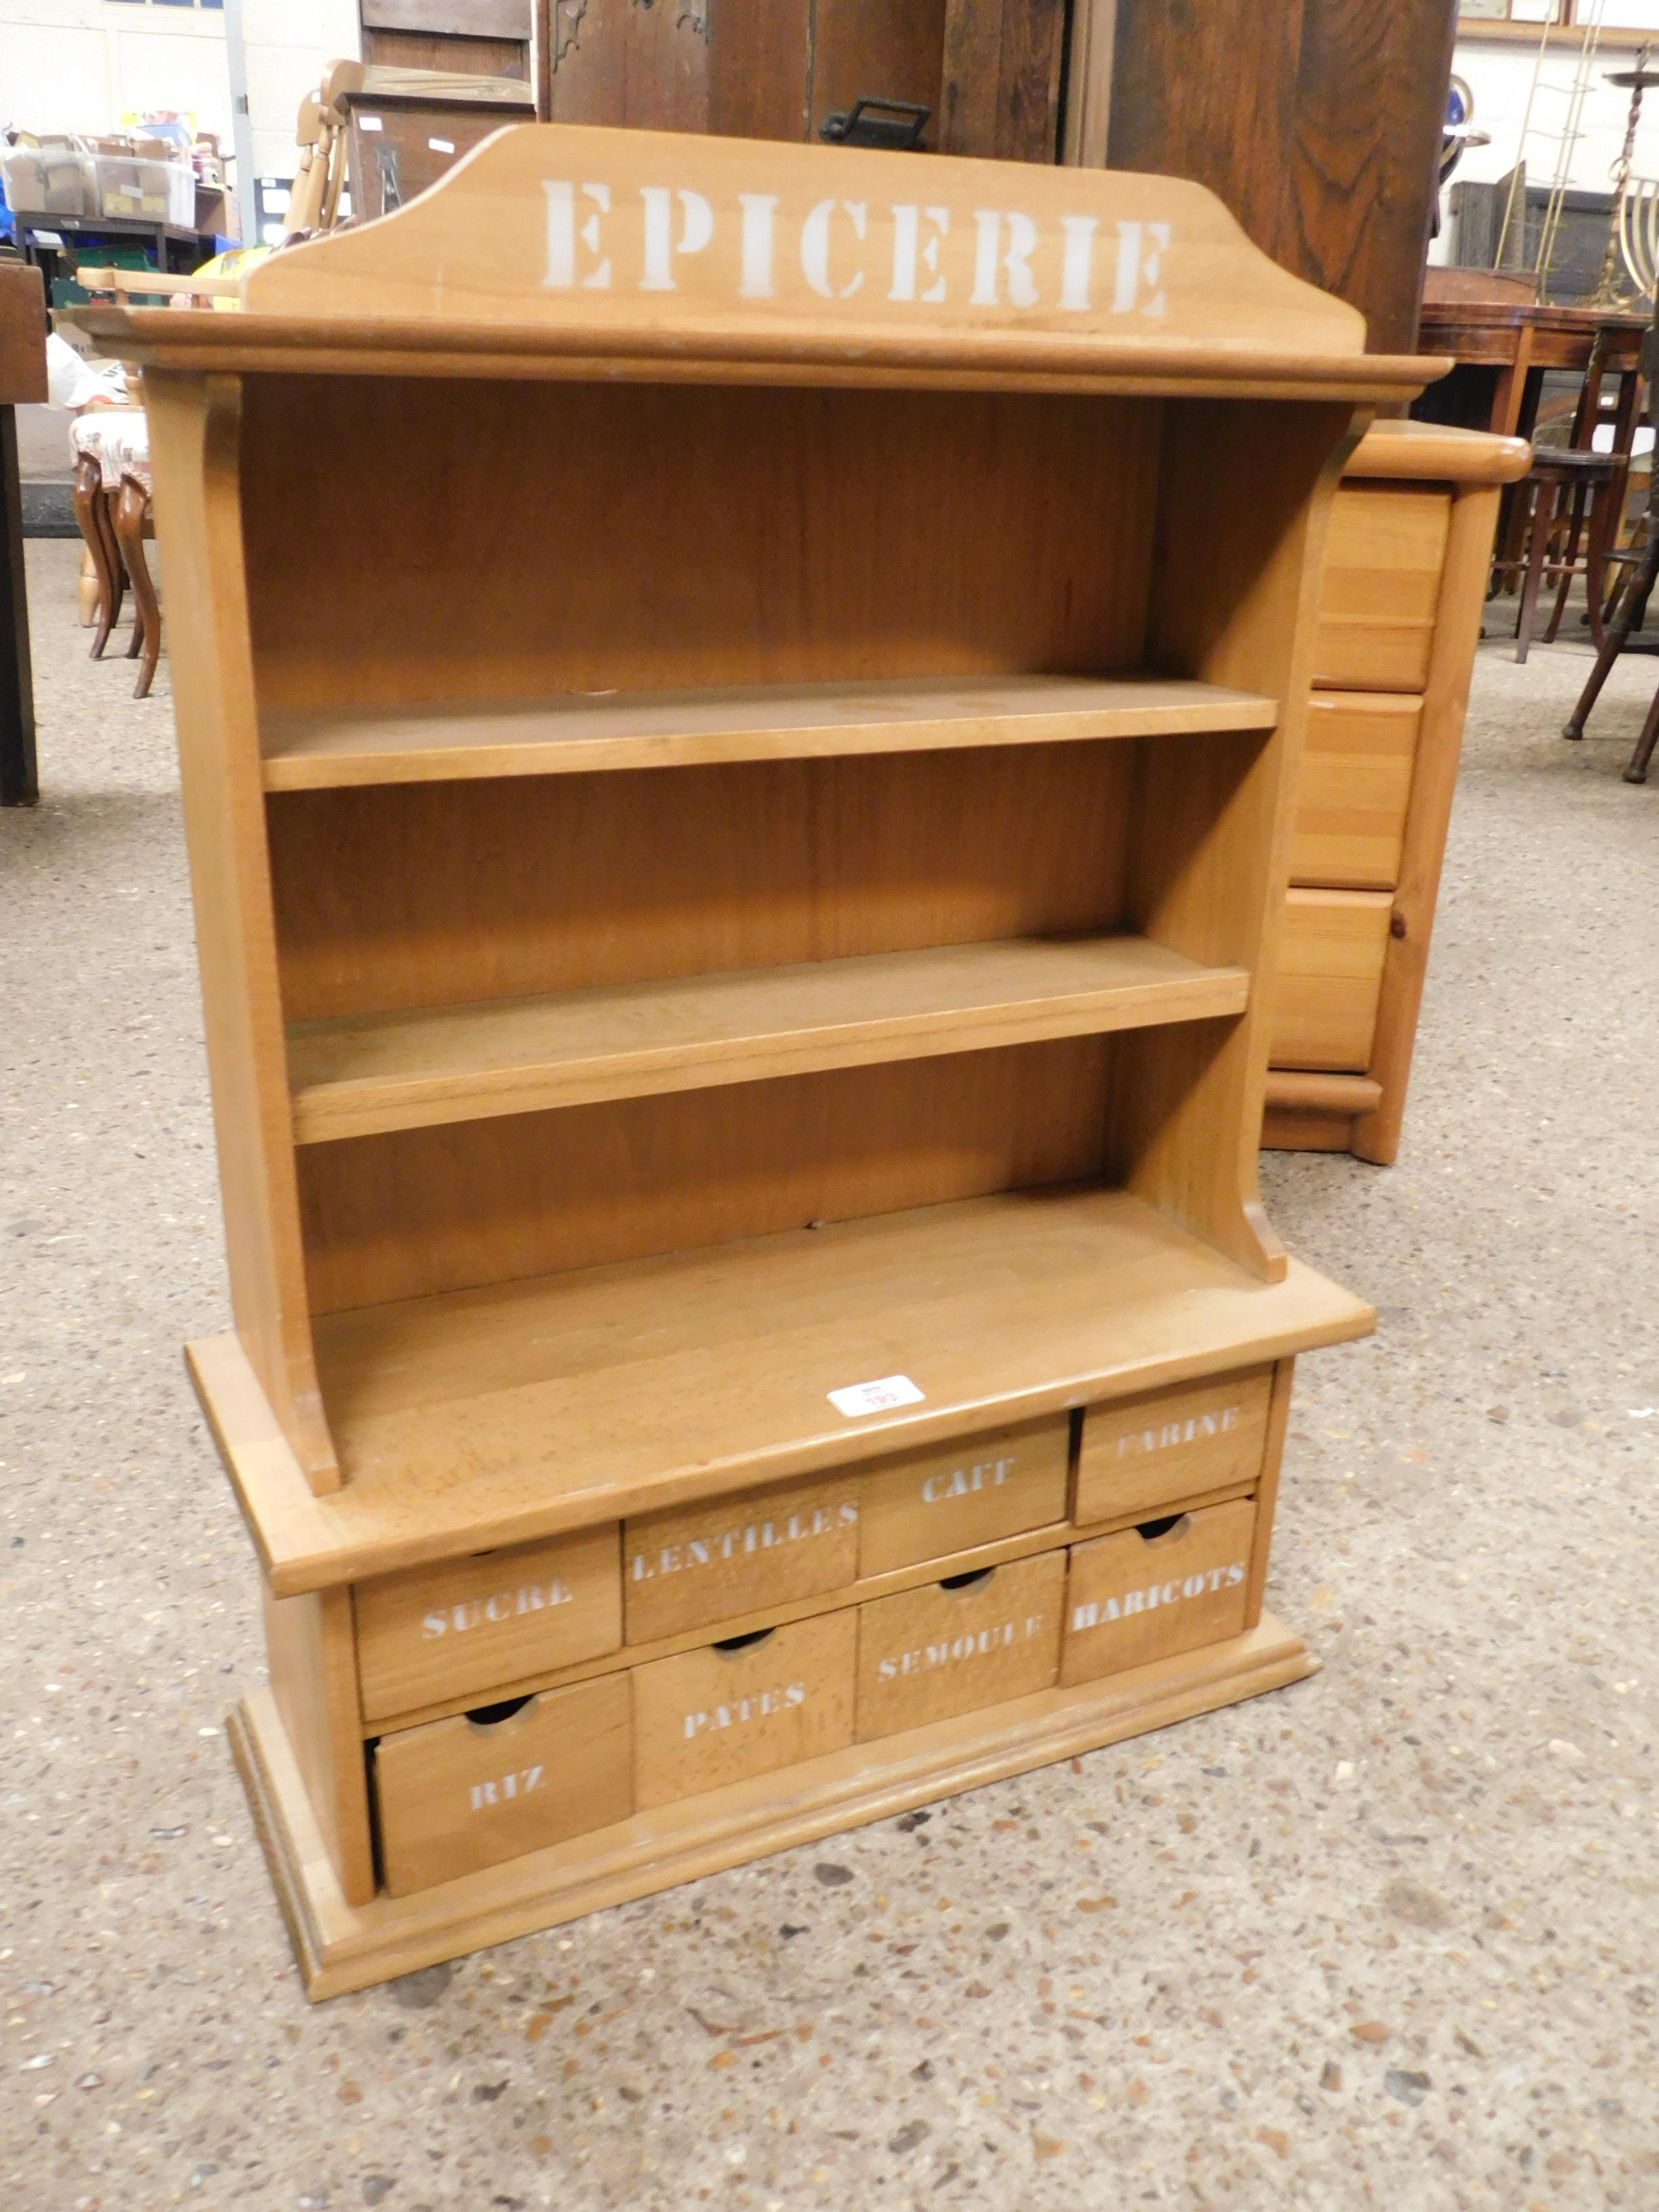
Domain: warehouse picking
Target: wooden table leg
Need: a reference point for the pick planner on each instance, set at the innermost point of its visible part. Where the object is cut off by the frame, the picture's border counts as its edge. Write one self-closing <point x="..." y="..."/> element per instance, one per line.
<point x="19" y="783"/>
<point x="1543" y="515"/>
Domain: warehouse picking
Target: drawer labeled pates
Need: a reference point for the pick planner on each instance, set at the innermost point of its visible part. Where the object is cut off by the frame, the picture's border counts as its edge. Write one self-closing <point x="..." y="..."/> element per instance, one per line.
<point x="1147" y="1593"/>
<point x="1140" y="1454"/>
<point x="927" y="1504"/>
<point x="746" y="1707"/>
<point x="464" y="1793"/>
<point x="972" y="1640"/>
<point x="496" y="1617"/>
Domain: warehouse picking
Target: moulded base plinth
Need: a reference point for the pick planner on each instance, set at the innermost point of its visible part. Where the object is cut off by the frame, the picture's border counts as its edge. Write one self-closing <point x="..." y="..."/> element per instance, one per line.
<point x="341" y="1947"/>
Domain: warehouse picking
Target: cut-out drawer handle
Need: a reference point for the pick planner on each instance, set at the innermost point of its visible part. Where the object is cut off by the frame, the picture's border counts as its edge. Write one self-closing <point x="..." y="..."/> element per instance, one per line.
<point x="729" y="1644"/>
<point x="489" y="1717"/>
<point x="972" y="1580"/>
<point x="1172" y="1524"/>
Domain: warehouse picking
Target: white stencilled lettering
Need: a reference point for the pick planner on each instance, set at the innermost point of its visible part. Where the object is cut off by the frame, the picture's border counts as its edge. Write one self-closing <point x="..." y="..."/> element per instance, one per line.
<point x="565" y="233"/>
<point x="1014" y="259"/>
<point x="971" y="1644"/>
<point x="1077" y="261"/>
<point x="758" y="1707"/>
<point x="1179" y="1431"/>
<point x="1096" y="1612"/>
<point x="517" y="1784"/>
<point x="501" y="1605"/>
<point x="759" y="215"/>
<point x="696" y="229"/>
<point x="815" y="246"/>
<point x="911" y="250"/>
<point x="743" y="1541"/>
<point x="1141" y="250"/>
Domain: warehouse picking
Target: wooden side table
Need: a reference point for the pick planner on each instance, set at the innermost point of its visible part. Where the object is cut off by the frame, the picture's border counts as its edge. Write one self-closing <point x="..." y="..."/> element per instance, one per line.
<point x="22" y="381"/>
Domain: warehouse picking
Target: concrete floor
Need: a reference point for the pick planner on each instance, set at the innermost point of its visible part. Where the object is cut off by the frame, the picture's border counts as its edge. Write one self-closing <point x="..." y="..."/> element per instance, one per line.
<point x="1386" y="1939"/>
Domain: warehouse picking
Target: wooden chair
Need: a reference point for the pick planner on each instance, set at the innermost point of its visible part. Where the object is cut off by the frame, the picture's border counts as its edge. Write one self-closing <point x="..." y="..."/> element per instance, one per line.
<point x="1571" y="508"/>
<point x="1630" y="610"/>
<point x="133" y="523"/>
<point x="105" y="440"/>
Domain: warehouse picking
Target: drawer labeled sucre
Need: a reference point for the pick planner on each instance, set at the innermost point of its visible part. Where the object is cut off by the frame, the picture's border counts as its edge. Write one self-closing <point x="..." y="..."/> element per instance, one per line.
<point x="968" y="1641"/>
<point x="496" y="1617"/>
<point x="464" y="1793"/>
<point x="691" y="1566"/>
<point x="1165" y="1446"/>
<point x="927" y="1504"/>
<point x="745" y="1707"/>
<point x="1168" y="1586"/>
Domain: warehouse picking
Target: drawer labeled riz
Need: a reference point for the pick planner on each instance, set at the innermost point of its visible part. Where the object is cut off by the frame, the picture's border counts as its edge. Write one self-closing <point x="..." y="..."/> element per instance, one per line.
<point x="927" y="1504"/>
<point x="1167" y="1586"/>
<point x="494" y="1618"/>
<point x="743" y="1707"/>
<point x="464" y="1793"/>
<point x="1153" y="1451"/>
<point x="694" y="1565"/>
<point x="950" y="1646"/>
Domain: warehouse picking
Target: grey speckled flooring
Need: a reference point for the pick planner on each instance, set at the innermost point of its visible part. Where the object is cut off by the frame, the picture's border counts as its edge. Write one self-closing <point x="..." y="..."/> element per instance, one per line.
<point x="1387" y="1939"/>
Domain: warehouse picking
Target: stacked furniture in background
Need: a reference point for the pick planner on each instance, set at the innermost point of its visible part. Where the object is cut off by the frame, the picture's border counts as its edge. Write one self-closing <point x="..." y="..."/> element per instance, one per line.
<point x="736" y="1023"/>
<point x="1404" y="581"/>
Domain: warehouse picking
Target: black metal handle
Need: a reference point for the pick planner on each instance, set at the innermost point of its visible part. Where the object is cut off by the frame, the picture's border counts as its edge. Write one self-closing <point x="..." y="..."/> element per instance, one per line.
<point x="897" y="126"/>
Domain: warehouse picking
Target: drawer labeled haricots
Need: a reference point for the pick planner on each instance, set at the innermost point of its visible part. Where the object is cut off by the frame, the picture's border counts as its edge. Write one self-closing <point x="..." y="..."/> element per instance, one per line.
<point x="694" y="1565"/>
<point x="927" y="1504"/>
<point x="464" y="1793"/>
<point x="1167" y="1586"/>
<point x="743" y="1707"/>
<point x="971" y="1640"/>
<point x="496" y="1617"/>
<point x="1152" y="1451"/>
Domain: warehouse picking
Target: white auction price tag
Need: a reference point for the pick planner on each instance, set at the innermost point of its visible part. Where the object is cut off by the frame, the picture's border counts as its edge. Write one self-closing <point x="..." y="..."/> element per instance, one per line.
<point x="875" y="1397"/>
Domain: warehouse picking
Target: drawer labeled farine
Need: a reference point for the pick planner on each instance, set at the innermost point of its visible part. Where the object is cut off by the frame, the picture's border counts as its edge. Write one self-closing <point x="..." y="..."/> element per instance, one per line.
<point x="494" y="1617"/>
<point x="1156" y="1449"/>
<point x="696" y="1565"/>
<point x="464" y="1793"/>
<point x="1167" y="1586"/>
<point x="926" y="1504"/>
<point x="743" y="1707"/>
<point x="949" y="1647"/>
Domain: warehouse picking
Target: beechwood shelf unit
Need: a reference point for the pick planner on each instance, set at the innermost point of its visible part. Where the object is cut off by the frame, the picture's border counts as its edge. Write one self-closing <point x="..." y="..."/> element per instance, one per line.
<point x="745" y="878"/>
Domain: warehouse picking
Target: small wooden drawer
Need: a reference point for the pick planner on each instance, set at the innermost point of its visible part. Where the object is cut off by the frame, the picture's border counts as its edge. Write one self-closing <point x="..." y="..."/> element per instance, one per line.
<point x="1353" y="788"/>
<point x="1380" y="586"/>
<point x="496" y="1617"/>
<point x="1328" y="978"/>
<point x="464" y="1793"/>
<point x="1145" y="1453"/>
<point x="926" y="1504"/>
<point x="693" y="1566"/>
<point x="702" y="1718"/>
<point x="951" y="1646"/>
<point x="1147" y="1593"/>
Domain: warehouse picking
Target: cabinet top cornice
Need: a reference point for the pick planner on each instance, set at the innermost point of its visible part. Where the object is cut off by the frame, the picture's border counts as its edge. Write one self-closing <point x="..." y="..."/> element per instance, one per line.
<point x="558" y="250"/>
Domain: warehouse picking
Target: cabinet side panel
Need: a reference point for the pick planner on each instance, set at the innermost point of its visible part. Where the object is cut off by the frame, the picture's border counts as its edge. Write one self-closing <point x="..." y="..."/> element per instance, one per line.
<point x="311" y="1649"/>
<point x="423" y="1210"/>
<point x="514" y="539"/>
<point x="1246" y="489"/>
<point x="193" y="428"/>
<point x="1428" y="814"/>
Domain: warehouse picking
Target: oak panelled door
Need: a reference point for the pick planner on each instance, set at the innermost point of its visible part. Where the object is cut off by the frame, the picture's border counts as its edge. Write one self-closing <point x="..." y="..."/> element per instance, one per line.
<point x="988" y="70"/>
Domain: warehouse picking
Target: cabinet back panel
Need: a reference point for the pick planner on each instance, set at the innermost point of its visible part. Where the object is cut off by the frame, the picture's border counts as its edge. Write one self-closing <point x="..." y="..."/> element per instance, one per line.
<point x="451" y="539"/>
<point x="421" y="1210"/>
<point x="409" y="895"/>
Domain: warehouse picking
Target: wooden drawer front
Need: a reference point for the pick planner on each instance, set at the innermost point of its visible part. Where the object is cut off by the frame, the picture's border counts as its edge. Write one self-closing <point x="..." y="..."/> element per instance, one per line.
<point x="1146" y="1454"/>
<point x="924" y="1506"/>
<point x="1353" y="788"/>
<point x="1330" y="973"/>
<point x="925" y="1654"/>
<point x="460" y="1794"/>
<point x="1131" y="1597"/>
<point x="695" y="1566"/>
<point x="706" y="1718"/>
<point x="474" y="1624"/>
<point x="1381" y="586"/>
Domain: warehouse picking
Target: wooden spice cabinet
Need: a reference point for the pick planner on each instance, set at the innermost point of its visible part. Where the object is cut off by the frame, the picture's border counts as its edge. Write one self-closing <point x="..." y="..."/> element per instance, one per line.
<point x="1404" y="580"/>
<point x="733" y="1013"/>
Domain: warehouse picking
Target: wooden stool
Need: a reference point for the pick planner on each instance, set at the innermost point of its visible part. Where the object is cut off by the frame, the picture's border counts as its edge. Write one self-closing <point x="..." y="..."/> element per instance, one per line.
<point x="1582" y="478"/>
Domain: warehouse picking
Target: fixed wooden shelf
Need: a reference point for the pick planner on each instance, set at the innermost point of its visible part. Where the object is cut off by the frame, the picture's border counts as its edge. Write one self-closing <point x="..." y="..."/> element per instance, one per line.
<point x="571" y="732"/>
<point x="353" y="1076"/>
<point x="493" y="1416"/>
